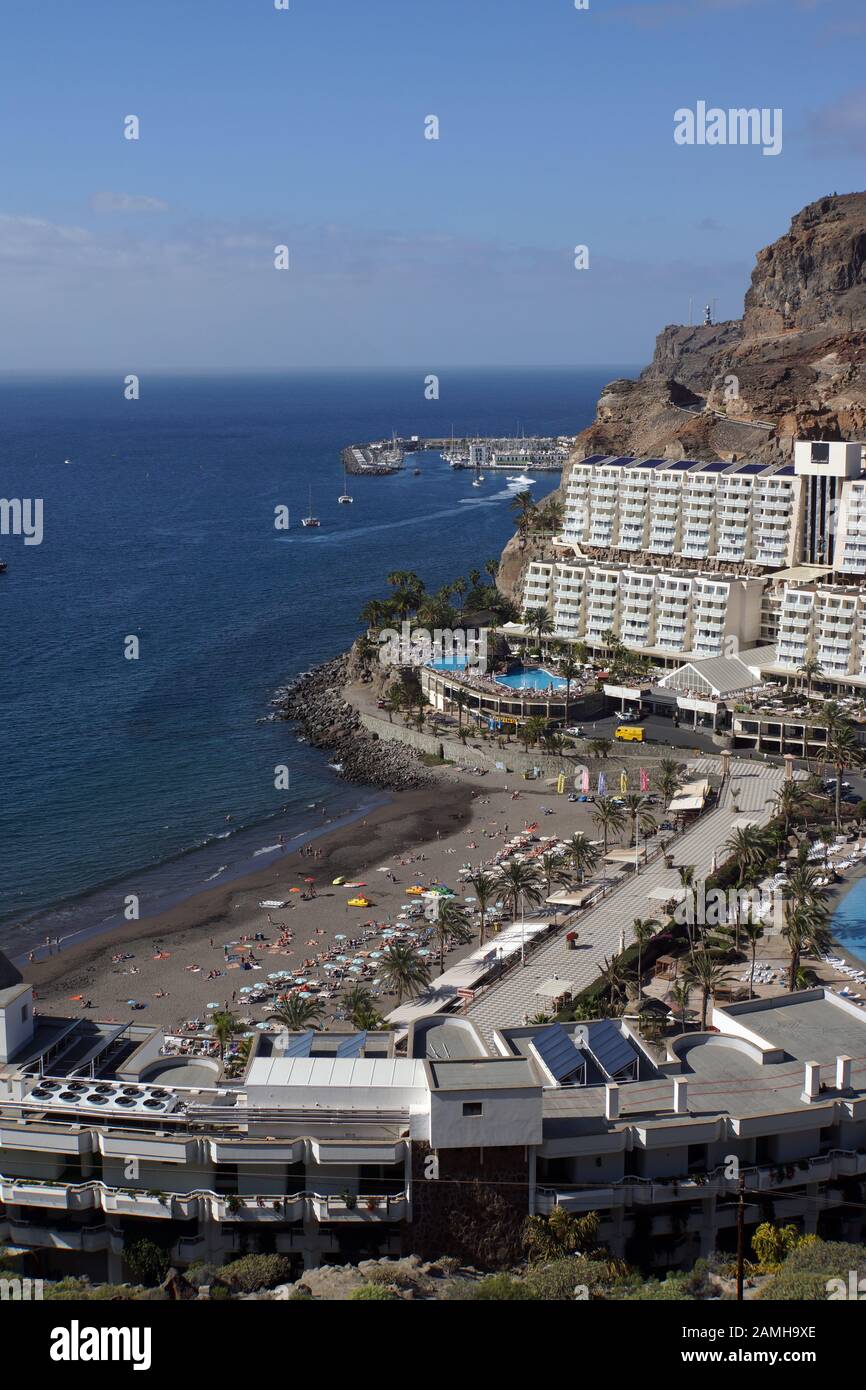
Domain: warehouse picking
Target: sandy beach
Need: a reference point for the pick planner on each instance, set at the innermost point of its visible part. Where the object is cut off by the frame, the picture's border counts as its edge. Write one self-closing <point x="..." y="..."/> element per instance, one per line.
<point x="176" y="964"/>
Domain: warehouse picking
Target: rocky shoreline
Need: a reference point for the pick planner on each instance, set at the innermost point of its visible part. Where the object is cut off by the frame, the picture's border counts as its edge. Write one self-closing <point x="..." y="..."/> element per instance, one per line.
<point x="315" y="701"/>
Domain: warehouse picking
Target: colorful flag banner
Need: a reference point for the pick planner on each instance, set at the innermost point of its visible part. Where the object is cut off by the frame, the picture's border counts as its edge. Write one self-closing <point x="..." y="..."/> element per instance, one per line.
<point x="644" y="780"/>
<point x="602" y="784"/>
<point x="623" y="782"/>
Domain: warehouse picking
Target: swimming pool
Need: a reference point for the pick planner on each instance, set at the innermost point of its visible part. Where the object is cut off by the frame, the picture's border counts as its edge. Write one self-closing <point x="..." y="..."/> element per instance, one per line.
<point x="532" y="678"/>
<point x="849" y="920"/>
<point x="450" y="663"/>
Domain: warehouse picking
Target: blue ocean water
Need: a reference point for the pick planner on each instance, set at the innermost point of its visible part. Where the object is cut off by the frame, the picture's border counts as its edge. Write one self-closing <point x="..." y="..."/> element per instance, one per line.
<point x="849" y="920"/>
<point x="118" y="776"/>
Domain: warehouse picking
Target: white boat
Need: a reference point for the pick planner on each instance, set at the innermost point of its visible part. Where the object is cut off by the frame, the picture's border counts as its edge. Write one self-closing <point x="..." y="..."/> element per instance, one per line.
<point x="309" y="519"/>
<point x="344" y="495"/>
<point x="520" y="480"/>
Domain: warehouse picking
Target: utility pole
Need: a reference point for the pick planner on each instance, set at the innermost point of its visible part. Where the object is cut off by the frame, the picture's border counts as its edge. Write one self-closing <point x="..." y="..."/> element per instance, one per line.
<point x="741" y="1235"/>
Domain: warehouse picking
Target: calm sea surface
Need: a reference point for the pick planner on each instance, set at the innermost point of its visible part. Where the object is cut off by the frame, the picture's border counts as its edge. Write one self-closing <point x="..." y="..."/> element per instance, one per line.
<point x="118" y="776"/>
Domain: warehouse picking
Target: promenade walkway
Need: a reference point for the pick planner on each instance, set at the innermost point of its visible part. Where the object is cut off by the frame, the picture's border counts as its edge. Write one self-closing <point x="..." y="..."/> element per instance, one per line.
<point x="751" y="789"/>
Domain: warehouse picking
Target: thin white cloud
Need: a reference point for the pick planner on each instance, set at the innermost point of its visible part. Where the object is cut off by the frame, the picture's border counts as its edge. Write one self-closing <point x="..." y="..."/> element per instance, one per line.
<point x="126" y="202"/>
<point x="841" y="124"/>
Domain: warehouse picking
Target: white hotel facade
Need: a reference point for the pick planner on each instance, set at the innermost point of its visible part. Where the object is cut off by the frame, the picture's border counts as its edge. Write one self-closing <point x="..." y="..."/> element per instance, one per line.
<point x="703" y="559"/>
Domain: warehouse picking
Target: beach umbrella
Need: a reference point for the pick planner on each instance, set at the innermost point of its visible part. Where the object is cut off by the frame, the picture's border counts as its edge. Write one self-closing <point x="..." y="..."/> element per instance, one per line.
<point x="212" y="1006"/>
<point x="340" y="936"/>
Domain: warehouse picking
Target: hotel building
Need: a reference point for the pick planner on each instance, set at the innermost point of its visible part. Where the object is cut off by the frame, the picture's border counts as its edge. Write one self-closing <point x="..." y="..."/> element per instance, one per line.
<point x="701" y="559"/>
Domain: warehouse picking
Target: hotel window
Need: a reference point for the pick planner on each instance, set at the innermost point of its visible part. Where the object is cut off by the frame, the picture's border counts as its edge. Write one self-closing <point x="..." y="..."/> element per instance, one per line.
<point x="472" y="1107"/>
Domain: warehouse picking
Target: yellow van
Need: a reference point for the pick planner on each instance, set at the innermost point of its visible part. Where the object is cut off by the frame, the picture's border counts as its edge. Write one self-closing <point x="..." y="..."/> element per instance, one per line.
<point x="629" y="733"/>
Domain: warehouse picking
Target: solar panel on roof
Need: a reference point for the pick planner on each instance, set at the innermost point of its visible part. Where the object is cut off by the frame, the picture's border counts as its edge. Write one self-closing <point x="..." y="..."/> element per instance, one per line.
<point x="716" y="467"/>
<point x="593" y="458"/>
<point x="558" y="1052"/>
<point x="649" y="463"/>
<point x="353" y="1046"/>
<point x="299" y="1046"/>
<point x="752" y="468"/>
<point x="680" y="465"/>
<point x="786" y="472"/>
<point x="618" y="463"/>
<point x="611" y="1050"/>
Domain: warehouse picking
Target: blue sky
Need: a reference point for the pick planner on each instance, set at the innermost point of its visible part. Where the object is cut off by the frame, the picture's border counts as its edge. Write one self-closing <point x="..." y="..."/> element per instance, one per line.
<point x="306" y="127"/>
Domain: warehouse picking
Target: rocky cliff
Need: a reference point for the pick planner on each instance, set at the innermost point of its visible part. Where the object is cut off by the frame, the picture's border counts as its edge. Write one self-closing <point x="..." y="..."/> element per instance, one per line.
<point x="794" y="366"/>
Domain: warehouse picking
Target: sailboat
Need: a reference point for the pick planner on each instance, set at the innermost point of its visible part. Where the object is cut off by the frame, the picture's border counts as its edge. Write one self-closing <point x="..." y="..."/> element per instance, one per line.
<point x="309" y="519"/>
<point x="344" y="495"/>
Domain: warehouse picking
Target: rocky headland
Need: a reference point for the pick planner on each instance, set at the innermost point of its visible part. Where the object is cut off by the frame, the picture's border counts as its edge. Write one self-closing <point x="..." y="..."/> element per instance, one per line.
<point x="793" y="367"/>
<point x="316" y="701"/>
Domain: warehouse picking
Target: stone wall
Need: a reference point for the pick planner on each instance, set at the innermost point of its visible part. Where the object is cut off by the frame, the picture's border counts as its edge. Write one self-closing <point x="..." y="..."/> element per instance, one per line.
<point x="474" y="1209"/>
<point x="629" y="756"/>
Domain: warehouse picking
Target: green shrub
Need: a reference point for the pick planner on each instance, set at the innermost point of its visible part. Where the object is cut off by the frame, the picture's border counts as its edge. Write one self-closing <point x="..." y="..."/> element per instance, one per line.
<point x="367" y="1293"/>
<point x="496" y="1287"/>
<point x="147" y="1263"/>
<point x="253" y="1272"/>
<point x="809" y="1266"/>
<point x="772" y="1244"/>
<point x="557" y="1281"/>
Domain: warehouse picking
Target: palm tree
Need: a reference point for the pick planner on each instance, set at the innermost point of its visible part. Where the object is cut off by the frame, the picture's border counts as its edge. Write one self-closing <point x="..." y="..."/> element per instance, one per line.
<point x="524" y="506"/>
<point x="791" y="799"/>
<point x="637" y="809"/>
<point x="403" y="969"/>
<point x="225" y="1026"/>
<point x="680" y="992"/>
<point x="452" y="924"/>
<point x="667" y="778"/>
<point x="552" y="867"/>
<point x="748" y="845"/>
<point x="484" y="887"/>
<point x="532" y="730"/>
<point x="297" y="1013"/>
<point x="805" y="928"/>
<point x="686" y="874"/>
<point x="708" y="975"/>
<point x="581" y="854"/>
<point x="614" y="975"/>
<point x="609" y="817"/>
<point x="752" y="931"/>
<point x="807" y="933"/>
<point x="599" y="747"/>
<point x="357" y="1002"/>
<point x="843" y="751"/>
<point x="569" y="670"/>
<point x="810" y="669"/>
<point x="520" y="883"/>
<point x="643" y="930"/>
<point x="538" y="621"/>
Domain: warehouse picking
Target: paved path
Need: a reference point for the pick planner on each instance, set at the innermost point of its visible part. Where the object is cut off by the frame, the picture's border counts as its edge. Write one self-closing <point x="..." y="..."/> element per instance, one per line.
<point x="509" y="1000"/>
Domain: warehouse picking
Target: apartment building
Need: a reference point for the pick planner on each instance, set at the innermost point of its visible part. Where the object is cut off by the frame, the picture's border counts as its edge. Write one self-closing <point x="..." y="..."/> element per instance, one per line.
<point x="340" y="1146"/>
<point x="660" y="612"/>
<point x="710" y="543"/>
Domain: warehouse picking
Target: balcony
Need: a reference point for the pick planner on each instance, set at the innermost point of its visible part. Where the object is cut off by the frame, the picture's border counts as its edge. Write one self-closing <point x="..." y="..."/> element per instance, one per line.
<point x="361" y="1208"/>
